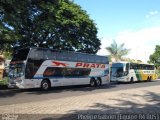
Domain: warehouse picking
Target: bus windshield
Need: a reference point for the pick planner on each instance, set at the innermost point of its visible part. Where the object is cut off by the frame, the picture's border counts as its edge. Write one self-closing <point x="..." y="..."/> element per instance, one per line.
<point x="117" y="70"/>
<point x="20" y="55"/>
<point x="16" y="70"/>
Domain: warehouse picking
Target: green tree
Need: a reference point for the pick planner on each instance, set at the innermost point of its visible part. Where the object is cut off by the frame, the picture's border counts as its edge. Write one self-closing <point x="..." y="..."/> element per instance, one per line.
<point x="116" y="51"/>
<point x="60" y="24"/>
<point x="155" y="57"/>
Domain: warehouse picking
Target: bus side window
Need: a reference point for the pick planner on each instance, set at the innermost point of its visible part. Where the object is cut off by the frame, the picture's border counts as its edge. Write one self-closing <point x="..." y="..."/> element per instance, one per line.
<point x="53" y="55"/>
<point x="133" y="66"/>
<point x="77" y="72"/>
<point x="29" y="70"/>
<point x="72" y="56"/>
<point x="47" y="54"/>
<point x="53" y="72"/>
<point x="127" y="66"/>
<point x="106" y="72"/>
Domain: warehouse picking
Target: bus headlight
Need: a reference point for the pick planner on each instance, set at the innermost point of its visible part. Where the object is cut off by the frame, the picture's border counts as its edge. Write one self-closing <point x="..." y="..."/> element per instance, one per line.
<point x="19" y="81"/>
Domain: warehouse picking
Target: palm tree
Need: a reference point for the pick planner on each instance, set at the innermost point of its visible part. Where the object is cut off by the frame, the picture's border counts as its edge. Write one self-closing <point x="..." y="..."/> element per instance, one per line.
<point x="116" y="51"/>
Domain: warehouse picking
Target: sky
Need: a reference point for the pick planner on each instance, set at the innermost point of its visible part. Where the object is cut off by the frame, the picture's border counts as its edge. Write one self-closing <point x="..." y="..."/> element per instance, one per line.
<point x="136" y="23"/>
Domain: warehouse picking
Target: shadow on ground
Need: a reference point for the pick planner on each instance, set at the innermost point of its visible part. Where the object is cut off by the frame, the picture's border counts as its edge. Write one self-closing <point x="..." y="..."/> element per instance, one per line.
<point x="3" y="87"/>
<point x="82" y="88"/>
<point x="100" y="111"/>
<point x="5" y="92"/>
<point x="87" y="88"/>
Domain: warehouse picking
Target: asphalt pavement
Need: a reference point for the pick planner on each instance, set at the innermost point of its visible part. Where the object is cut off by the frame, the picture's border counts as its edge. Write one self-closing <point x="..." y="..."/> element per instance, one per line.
<point x="138" y="101"/>
<point x="14" y="96"/>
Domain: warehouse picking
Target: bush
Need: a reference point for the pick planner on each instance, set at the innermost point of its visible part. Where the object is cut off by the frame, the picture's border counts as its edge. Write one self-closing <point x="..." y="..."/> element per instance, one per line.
<point x="158" y="73"/>
<point x="4" y="81"/>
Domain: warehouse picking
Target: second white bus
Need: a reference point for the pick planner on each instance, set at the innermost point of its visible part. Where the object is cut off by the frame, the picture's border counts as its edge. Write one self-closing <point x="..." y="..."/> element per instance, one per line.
<point x="130" y="72"/>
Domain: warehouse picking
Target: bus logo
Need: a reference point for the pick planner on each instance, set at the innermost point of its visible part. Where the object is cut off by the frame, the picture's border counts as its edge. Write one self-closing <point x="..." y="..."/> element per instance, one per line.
<point x="56" y="63"/>
<point x="90" y="65"/>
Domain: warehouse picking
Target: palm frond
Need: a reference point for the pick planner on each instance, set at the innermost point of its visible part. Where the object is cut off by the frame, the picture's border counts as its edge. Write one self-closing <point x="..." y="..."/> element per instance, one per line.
<point x="117" y="51"/>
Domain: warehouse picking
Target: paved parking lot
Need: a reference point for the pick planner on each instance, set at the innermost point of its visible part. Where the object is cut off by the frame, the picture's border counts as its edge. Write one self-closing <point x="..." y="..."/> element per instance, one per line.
<point x="139" y="100"/>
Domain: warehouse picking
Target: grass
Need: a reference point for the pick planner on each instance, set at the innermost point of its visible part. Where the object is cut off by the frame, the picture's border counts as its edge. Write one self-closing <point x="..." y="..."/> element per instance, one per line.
<point x="4" y="81"/>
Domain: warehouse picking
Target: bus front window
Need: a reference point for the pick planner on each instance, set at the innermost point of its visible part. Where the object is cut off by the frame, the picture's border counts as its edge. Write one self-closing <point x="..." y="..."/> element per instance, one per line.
<point x="16" y="70"/>
<point x="20" y="55"/>
<point x="117" y="70"/>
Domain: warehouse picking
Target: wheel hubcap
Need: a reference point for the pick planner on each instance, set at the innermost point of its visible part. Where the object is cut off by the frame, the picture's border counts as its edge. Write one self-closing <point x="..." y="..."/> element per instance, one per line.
<point x="45" y="86"/>
<point x="98" y="82"/>
<point x="92" y="83"/>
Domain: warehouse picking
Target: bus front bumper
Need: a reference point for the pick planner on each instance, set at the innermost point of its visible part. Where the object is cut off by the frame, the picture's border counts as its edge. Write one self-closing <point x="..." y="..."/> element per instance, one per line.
<point x="15" y="84"/>
<point x="113" y="79"/>
<point x="12" y="85"/>
<point x="120" y="79"/>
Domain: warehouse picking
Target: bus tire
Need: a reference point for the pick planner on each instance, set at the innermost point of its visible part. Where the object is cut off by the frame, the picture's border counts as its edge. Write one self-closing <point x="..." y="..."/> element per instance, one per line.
<point x="148" y="79"/>
<point x="98" y="82"/>
<point x="131" y="80"/>
<point x="92" y="82"/>
<point x="45" y="84"/>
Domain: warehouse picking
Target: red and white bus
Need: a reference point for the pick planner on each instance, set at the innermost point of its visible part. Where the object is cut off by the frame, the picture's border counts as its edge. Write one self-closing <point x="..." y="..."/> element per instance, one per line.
<point x="45" y="68"/>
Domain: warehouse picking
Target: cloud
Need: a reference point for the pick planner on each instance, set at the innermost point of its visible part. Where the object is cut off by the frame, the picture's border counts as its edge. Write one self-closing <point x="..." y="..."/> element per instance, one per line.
<point x="151" y="13"/>
<point x="105" y="42"/>
<point x="141" y="42"/>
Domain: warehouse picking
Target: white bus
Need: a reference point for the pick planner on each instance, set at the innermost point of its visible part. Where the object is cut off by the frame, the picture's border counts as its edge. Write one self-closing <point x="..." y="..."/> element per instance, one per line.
<point x="130" y="72"/>
<point x="45" y="68"/>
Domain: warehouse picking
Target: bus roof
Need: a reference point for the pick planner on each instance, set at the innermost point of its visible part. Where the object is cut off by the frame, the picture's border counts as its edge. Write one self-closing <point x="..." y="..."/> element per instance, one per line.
<point x="61" y="51"/>
<point x="68" y="55"/>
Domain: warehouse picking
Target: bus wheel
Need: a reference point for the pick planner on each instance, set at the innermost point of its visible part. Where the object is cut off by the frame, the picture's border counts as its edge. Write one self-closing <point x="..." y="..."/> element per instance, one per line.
<point x="131" y="80"/>
<point x="98" y="82"/>
<point x="149" y="79"/>
<point x="92" y="82"/>
<point x="45" y="85"/>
